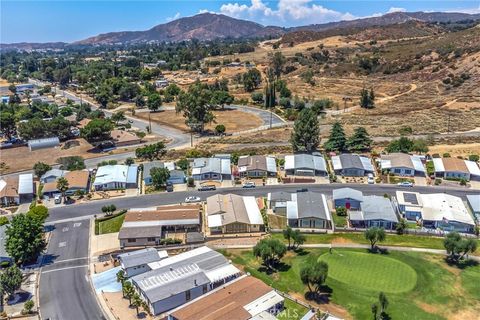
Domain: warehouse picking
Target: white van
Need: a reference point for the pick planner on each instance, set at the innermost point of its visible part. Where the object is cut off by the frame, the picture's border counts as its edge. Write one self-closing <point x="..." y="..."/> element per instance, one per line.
<point x="58" y="199"/>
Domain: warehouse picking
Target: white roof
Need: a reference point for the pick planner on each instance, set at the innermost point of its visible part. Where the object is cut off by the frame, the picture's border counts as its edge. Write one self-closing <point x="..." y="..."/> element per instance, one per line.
<point x="472" y="167"/>
<point x="337" y="164"/>
<point x="179" y="257"/>
<point x="289" y="162"/>
<point x="115" y="173"/>
<point x="474" y="201"/>
<point x="271" y="164"/>
<point x="441" y="206"/>
<point x="366" y="163"/>
<point x="25" y="183"/>
<point x="438" y="164"/>
<point x="305" y="161"/>
<point x="292" y="208"/>
<point x="214" y="220"/>
<point x="253" y="211"/>
<point x="222" y="272"/>
<point x="155" y="223"/>
<point x="263" y="303"/>
<point x="417" y="163"/>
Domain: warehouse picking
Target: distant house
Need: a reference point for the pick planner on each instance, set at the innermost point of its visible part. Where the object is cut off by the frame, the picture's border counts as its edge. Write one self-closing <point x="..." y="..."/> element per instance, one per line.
<point x="402" y="164"/>
<point x="211" y="169"/>
<point x="245" y="297"/>
<point x="162" y="83"/>
<point x="231" y="213"/>
<point x="446" y="212"/>
<point x="305" y="165"/>
<point x="410" y="204"/>
<point x="177" y="177"/>
<point x="147" y="166"/>
<point x="177" y="280"/>
<point x="454" y="168"/>
<point x="43" y="143"/>
<point x="309" y="210"/>
<point x="123" y="138"/>
<point x="147" y="226"/>
<point x="113" y="177"/>
<point x="277" y="201"/>
<point x="474" y="204"/>
<point x="9" y="191"/>
<point x="352" y="165"/>
<point x="257" y="166"/>
<point x="348" y="198"/>
<point x="136" y="262"/>
<point x="52" y="175"/>
<point x="375" y="211"/>
<point x="77" y="181"/>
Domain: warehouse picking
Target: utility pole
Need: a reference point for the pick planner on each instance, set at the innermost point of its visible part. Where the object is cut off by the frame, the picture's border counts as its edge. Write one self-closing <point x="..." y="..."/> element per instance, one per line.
<point x="448" y="123"/>
<point x="149" y="123"/>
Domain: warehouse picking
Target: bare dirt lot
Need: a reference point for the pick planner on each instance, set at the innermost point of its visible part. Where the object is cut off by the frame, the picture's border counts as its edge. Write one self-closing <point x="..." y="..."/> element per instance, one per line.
<point x="233" y="120"/>
<point x="21" y="158"/>
<point x="463" y="150"/>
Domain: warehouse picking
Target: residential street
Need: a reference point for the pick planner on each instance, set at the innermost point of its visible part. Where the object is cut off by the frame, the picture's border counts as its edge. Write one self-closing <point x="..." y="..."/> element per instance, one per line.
<point x="65" y="290"/>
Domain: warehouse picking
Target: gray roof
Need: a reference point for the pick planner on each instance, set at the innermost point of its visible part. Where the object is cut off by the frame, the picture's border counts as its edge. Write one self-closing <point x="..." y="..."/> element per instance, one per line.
<point x="378" y="208"/>
<point x="280" y="196"/>
<point x="312" y="205"/>
<point x="350" y="160"/>
<point x="44" y="142"/>
<point x="308" y="161"/>
<point x="150" y="165"/>
<point x="347" y="193"/>
<point x="207" y="165"/>
<point x="139" y="232"/>
<point x="139" y="257"/>
<point x="179" y="276"/>
<point x="474" y="201"/>
<point x="53" y="173"/>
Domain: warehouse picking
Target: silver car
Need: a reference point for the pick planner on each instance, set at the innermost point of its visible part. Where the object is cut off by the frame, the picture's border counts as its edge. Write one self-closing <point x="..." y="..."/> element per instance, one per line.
<point x="192" y="199"/>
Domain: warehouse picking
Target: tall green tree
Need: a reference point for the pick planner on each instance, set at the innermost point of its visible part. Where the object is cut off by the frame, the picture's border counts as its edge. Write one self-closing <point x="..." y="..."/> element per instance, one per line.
<point x="97" y="130"/>
<point x="151" y="151"/>
<point x="298" y="238"/>
<point x="159" y="177"/>
<point x="306" y="132"/>
<point x="251" y="79"/>
<point x="337" y="140"/>
<point x="359" y="141"/>
<point x="7" y="124"/>
<point x="62" y="186"/>
<point x="367" y="99"/>
<point x="39" y="213"/>
<point x="41" y="168"/>
<point x="288" y="235"/>
<point x="24" y="238"/>
<point x="457" y="247"/>
<point x="221" y="98"/>
<point x="277" y="62"/>
<point x="154" y="102"/>
<point x="195" y="104"/>
<point x="403" y="144"/>
<point x="270" y="251"/>
<point x="375" y="235"/>
<point x="10" y="280"/>
<point x="314" y="275"/>
<point x="118" y="116"/>
<point x="136" y="301"/>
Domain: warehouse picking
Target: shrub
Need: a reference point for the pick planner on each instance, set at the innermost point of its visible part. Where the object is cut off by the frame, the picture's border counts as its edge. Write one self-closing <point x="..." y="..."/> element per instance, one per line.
<point x="341" y="211"/>
<point x="446" y="155"/>
<point x="474" y="157"/>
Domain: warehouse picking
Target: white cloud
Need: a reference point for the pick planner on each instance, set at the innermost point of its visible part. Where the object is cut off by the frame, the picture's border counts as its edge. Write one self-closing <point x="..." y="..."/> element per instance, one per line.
<point x="175" y="17"/>
<point x="395" y="9"/>
<point x="470" y="11"/>
<point x="288" y="12"/>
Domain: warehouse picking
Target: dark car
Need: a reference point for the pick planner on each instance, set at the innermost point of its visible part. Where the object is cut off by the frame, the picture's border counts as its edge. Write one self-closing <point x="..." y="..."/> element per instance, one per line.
<point x="207" y="188"/>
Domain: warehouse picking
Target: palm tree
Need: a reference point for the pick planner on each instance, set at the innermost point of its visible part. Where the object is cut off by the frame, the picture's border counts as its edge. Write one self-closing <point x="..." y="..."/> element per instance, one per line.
<point x="136" y="301"/>
<point x="288" y="234"/>
<point x="128" y="291"/>
<point x="62" y="186"/>
<point x="121" y="278"/>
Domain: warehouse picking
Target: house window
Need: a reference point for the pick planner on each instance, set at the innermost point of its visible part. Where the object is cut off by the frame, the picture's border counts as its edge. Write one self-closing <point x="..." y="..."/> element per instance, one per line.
<point x="187" y="295"/>
<point x="132" y="240"/>
<point x="150" y="239"/>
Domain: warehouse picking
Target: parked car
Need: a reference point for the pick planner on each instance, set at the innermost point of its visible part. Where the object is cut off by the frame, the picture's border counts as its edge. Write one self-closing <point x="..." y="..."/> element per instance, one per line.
<point x="169" y="187"/>
<point x="207" y="188"/>
<point x="192" y="199"/>
<point x="57" y="199"/>
<point x="302" y="190"/>
<point x="405" y="184"/>
<point x="370" y="178"/>
<point x="248" y="185"/>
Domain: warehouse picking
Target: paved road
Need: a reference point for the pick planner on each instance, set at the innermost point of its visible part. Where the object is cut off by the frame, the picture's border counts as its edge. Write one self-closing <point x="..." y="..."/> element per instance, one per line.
<point x="65" y="291"/>
<point x="91" y="208"/>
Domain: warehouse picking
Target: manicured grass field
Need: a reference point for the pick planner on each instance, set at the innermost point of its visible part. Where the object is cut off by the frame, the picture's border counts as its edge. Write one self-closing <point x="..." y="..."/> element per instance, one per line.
<point x="405" y="240"/>
<point x="110" y="225"/>
<point x="292" y="311"/>
<point x="356" y="269"/>
<point x="418" y="286"/>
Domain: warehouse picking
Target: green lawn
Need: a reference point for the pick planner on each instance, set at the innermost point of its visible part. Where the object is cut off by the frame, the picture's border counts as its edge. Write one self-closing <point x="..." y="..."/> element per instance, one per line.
<point x="417" y="285"/>
<point x="340" y="221"/>
<point x="292" y="311"/>
<point x="405" y="240"/>
<point x="110" y="225"/>
<point x="356" y="268"/>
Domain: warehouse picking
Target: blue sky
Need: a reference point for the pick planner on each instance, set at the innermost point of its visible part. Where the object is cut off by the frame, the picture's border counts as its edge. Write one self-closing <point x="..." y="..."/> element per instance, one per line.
<point x="44" y="21"/>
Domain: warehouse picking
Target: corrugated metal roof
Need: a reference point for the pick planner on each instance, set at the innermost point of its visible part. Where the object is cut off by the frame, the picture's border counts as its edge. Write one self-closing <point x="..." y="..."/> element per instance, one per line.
<point x="344" y="193"/>
<point x="25" y="183"/>
<point x="139" y="257"/>
<point x="116" y="173"/>
<point x="472" y="167"/>
<point x="305" y="161"/>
